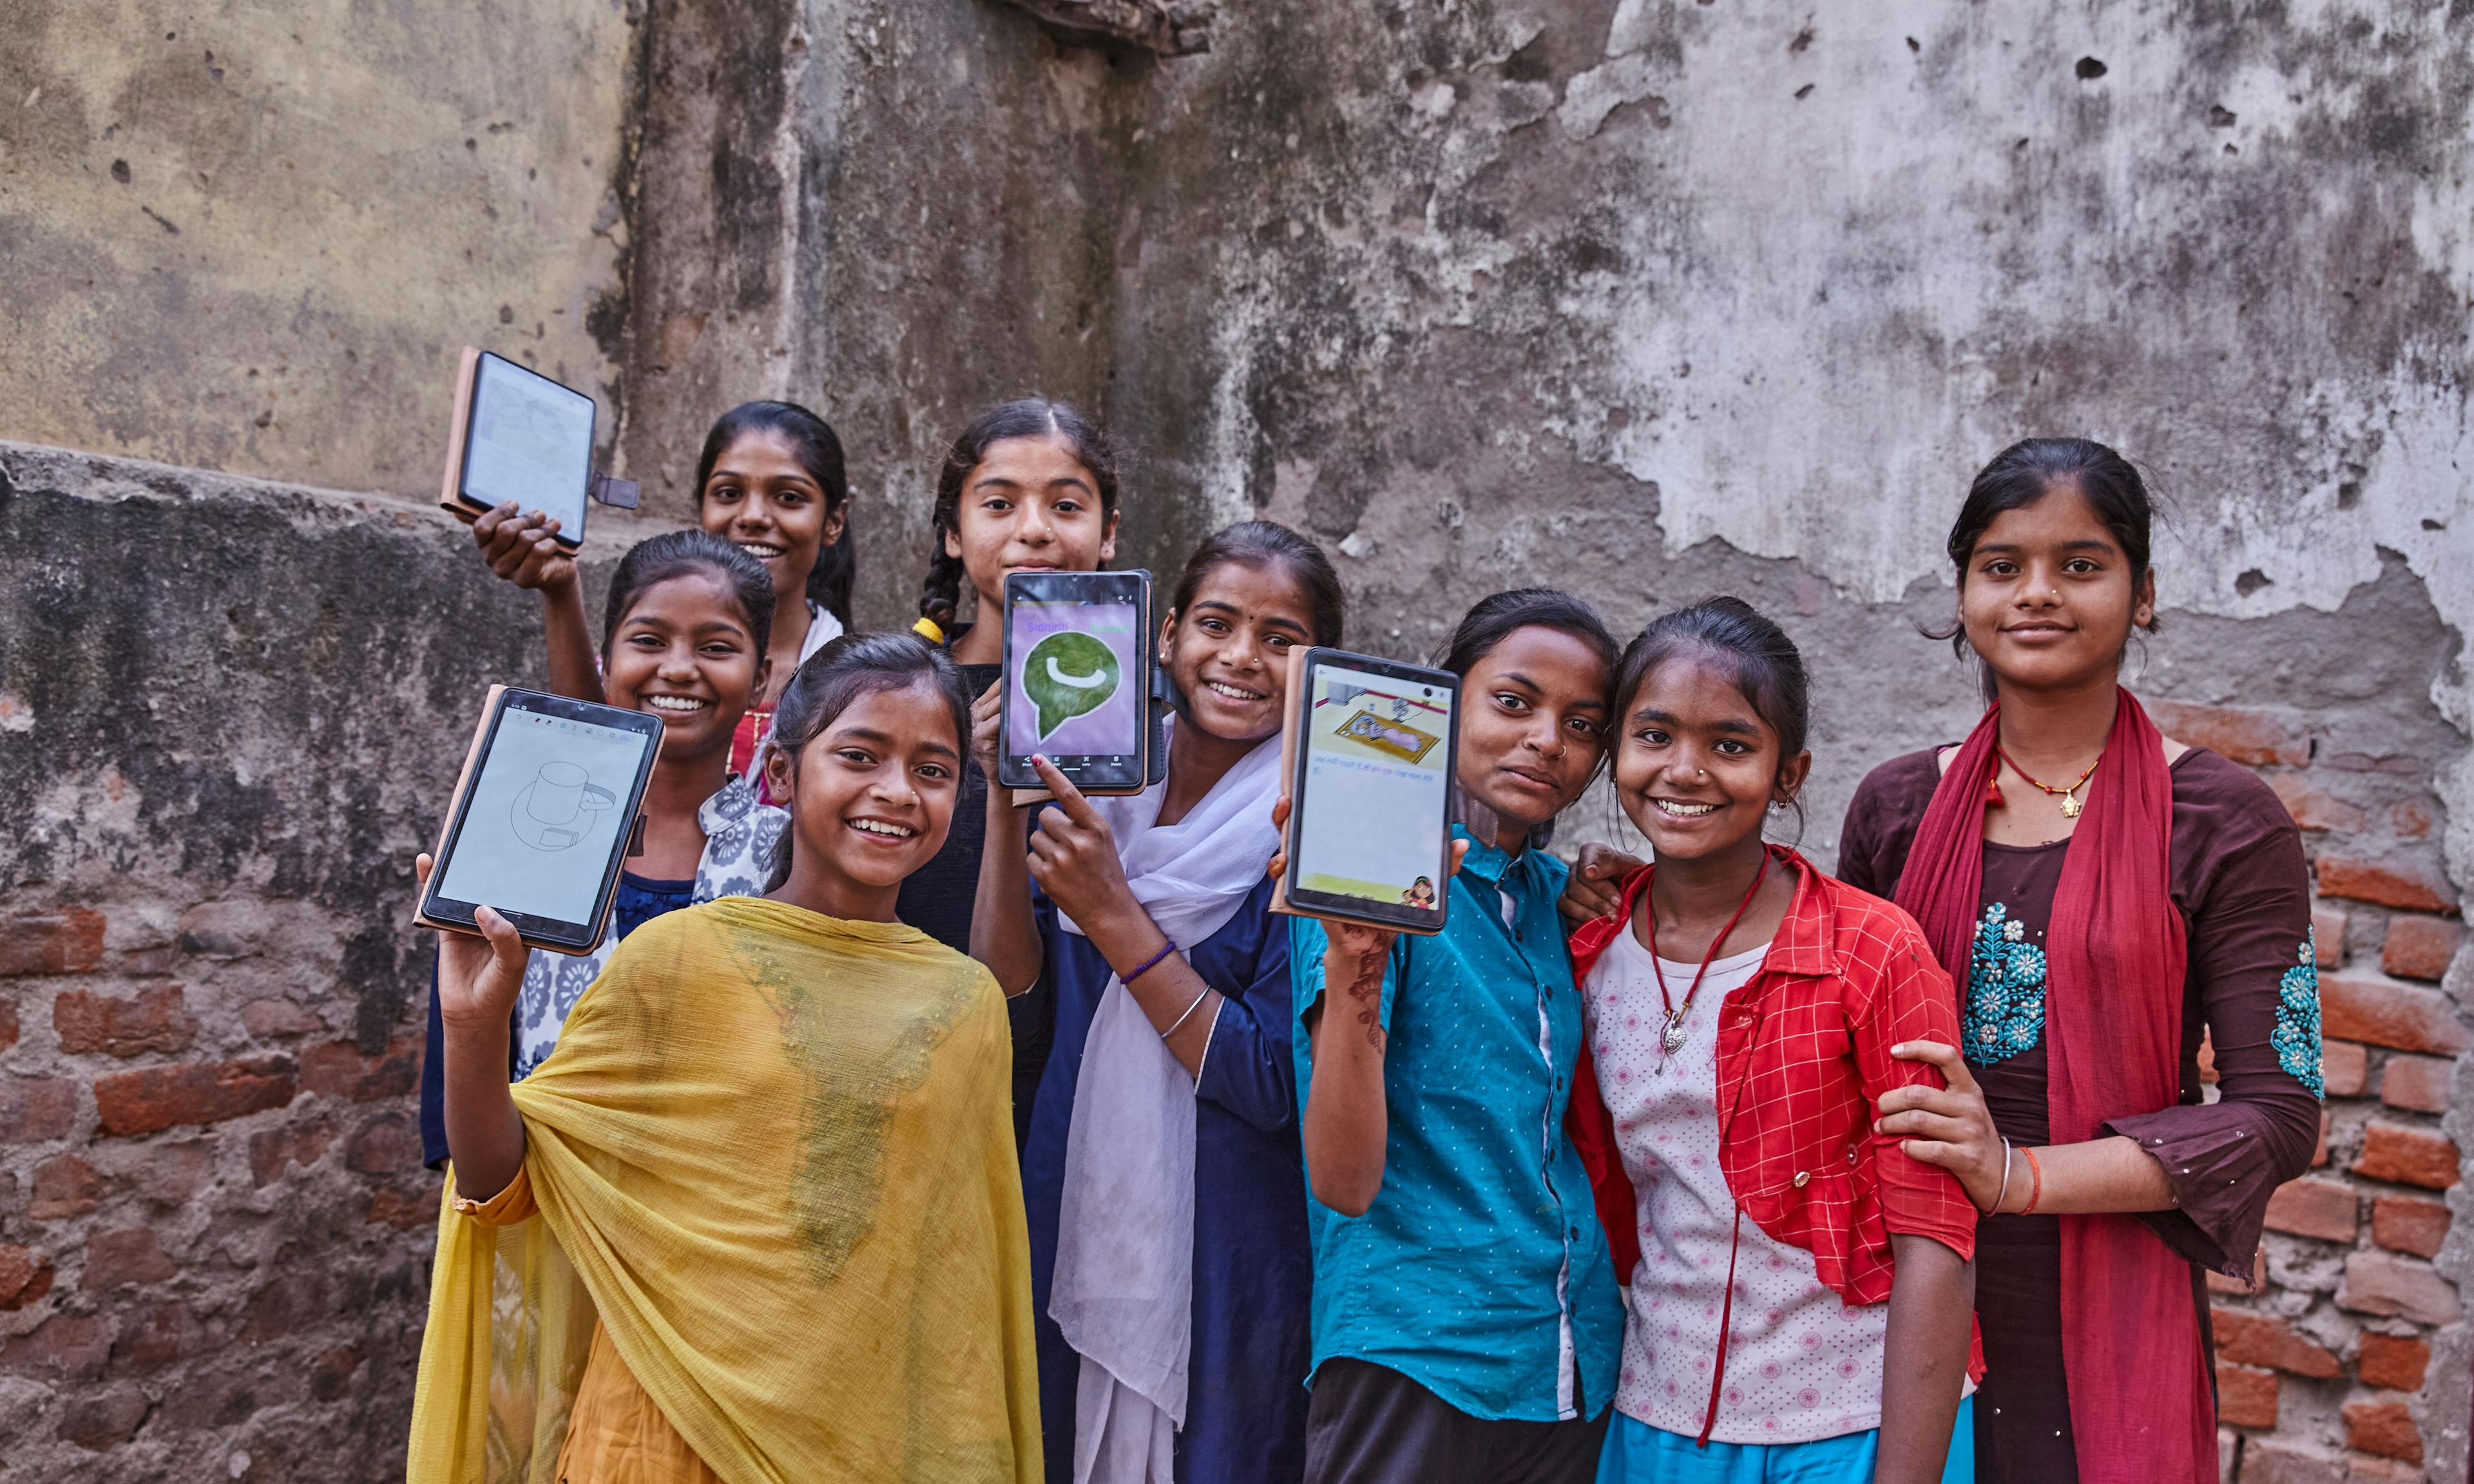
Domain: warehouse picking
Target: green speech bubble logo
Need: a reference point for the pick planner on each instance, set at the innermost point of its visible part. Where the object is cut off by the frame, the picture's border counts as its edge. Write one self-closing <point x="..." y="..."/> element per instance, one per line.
<point x="1066" y="675"/>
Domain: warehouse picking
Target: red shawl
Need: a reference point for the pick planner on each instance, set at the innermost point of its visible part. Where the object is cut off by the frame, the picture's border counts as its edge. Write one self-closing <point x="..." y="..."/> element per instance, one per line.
<point x="2140" y="1407"/>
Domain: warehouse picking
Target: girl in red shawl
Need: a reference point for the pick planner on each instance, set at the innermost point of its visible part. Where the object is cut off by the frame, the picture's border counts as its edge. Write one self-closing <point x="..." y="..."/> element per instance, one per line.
<point x="2103" y="896"/>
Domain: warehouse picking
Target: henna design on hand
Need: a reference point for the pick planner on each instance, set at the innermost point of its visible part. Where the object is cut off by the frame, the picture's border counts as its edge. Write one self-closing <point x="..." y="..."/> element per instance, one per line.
<point x="1366" y="990"/>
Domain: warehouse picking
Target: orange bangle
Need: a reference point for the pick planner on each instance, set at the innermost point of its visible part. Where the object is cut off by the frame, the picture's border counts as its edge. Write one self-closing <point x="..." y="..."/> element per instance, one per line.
<point x="2036" y="1186"/>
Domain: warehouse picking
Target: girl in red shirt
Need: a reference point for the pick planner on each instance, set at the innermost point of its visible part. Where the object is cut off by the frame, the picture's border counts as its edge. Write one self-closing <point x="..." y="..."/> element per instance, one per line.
<point x="1743" y="1012"/>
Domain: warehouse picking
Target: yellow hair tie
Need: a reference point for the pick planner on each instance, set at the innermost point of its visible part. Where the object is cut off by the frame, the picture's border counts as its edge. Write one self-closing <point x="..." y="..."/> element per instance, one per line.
<point x="928" y="629"/>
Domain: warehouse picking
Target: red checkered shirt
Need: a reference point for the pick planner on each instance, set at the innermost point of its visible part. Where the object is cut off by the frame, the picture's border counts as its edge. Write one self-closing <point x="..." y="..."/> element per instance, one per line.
<point x="1803" y="1050"/>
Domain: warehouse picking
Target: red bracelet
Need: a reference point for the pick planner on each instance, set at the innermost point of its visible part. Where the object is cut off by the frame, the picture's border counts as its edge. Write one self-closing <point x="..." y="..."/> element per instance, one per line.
<point x="2036" y="1188"/>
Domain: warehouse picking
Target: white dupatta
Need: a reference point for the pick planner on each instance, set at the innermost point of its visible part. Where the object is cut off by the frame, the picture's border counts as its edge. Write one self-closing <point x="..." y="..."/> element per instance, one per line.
<point x="1123" y="1291"/>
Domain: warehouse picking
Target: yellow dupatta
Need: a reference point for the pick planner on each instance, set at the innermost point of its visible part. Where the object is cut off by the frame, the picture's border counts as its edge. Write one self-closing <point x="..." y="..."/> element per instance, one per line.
<point x="773" y="1154"/>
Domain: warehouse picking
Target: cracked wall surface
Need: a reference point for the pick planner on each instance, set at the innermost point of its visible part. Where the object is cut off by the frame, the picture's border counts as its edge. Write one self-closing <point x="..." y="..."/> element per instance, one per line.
<point x="1646" y="298"/>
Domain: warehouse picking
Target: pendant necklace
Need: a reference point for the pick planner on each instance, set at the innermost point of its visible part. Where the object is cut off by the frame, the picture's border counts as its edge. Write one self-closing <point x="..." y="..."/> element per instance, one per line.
<point x="2070" y="804"/>
<point x="1671" y="1039"/>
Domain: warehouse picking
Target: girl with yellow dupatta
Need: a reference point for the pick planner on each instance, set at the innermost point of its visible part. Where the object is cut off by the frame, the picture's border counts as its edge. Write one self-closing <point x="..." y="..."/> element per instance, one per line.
<point x="757" y="1218"/>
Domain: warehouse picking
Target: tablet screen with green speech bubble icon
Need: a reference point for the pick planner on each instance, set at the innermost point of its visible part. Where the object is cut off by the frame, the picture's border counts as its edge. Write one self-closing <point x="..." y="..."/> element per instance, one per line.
<point x="1077" y="684"/>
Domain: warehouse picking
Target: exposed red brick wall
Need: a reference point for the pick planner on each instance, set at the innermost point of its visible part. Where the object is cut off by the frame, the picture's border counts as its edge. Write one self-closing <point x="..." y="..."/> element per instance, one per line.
<point x="2324" y="1381"/>
<point x="212" y="1211"/>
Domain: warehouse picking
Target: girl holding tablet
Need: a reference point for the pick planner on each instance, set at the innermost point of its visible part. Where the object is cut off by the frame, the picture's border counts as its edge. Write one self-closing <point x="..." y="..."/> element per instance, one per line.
<point x="684" y="639"/>
<point x="758" y="1218"/>
<point x="1465" y="1325"/>
<point x="770" y="481"/>
<point x="1164" y="1138"/>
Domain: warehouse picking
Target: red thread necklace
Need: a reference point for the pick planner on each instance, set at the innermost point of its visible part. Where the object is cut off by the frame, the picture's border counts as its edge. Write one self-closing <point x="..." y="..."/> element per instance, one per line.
<point x="1671" y="1039"/>
<point x="2070" y="804"/>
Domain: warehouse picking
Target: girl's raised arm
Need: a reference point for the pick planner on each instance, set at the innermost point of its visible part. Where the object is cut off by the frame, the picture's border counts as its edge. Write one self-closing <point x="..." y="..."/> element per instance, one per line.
<point x="477" y="985"/>
<point x="523" y="549"/>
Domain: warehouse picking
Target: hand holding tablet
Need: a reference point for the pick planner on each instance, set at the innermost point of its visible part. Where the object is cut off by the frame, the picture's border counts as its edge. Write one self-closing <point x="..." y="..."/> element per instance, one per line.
<point x="1368" y="748"/>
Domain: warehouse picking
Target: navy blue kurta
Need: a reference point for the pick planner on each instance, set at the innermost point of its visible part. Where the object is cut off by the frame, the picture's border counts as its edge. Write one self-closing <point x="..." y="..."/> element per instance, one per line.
<point x="1253" y="1269"/>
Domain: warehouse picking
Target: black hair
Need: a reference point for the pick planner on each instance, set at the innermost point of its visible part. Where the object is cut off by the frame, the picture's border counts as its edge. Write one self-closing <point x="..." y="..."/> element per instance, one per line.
<point x="940" y="592"/>
<point x="1757" y="656"/>
<point x="1496" y="616"/>
<point x="677" y="554"/>
<point x="2026" y="473"/>
<point x="850" y="667"/>
<point x="1267" y="543"/>
<point x="812" y="443"/>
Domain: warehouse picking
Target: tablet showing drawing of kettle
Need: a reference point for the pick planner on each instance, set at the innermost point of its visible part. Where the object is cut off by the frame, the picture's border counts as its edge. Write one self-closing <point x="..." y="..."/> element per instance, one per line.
<point x="556" y="809"/>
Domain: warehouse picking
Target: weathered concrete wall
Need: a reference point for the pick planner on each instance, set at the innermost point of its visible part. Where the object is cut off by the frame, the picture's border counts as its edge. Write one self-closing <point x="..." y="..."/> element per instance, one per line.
<point x="1648" y="299"/>
<point x="1657" y="299"/>
<point x="896" y="214"/>
<point x="227" y="712"/>
<point x="251" y="237"/>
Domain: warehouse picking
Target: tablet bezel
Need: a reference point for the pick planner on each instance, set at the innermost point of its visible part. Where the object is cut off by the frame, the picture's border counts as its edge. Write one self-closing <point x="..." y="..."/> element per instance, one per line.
<point x="540" y="932"/>
<point x="468" y="507"/>
<point x="1095" y="772"/>
<point x="1288" y="896"/>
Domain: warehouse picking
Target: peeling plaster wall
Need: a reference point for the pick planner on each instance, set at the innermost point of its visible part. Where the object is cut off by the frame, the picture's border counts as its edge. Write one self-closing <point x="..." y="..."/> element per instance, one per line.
<point x="1658" y="298"/>
<point x="898" y="215"/>
<point x="251" y="237"/>
<point x="1646" y="298"/>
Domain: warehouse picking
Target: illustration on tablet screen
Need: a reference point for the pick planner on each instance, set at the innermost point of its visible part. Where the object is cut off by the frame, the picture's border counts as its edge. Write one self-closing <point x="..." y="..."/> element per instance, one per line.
<point x="555" y="809"/>
<point x="1071" y="697"/>
<point x="1374" y="786"/>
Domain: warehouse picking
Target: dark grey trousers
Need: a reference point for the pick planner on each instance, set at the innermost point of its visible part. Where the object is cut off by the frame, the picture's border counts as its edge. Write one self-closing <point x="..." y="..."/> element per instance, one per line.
<point x="1367" y="1424"/>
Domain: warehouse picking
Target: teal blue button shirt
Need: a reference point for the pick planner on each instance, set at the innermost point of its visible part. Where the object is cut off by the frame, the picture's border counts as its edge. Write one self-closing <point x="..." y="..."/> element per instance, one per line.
<point x="1480" y="1271"/>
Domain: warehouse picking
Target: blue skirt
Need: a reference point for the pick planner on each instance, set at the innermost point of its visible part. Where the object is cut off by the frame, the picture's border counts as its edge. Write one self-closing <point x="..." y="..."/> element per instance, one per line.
<point x="1639" y="1453"/>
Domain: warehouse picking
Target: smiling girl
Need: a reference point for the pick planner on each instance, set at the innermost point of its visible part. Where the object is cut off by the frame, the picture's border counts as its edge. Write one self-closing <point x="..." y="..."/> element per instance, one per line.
<point x="770" y="481"/>
<point x="2108" y="898"/>
<point x="1742" y="1012"/>
<point x="1030" y="485"/>
<point x="684" y="637"/>
<point x="1466" y="1326"/>
<point x="780" y="1234"/>
<point x="1163" y="1142"/>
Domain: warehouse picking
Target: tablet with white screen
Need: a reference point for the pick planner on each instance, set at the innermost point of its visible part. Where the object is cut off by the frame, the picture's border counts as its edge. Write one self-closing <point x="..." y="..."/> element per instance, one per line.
<point x="543" y="818"/>
<point x="1368" y="748"/>
<point x="517" y="435"/>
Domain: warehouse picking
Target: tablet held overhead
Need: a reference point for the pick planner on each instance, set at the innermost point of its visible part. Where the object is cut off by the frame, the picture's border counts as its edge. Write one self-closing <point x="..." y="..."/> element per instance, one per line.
<point x="517" y="435"/>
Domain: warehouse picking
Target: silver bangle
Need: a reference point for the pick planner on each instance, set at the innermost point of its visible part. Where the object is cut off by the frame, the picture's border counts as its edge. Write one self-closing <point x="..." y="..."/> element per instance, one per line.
<point x="1998" y="1195"/>
<point x="1189" y="1013"/>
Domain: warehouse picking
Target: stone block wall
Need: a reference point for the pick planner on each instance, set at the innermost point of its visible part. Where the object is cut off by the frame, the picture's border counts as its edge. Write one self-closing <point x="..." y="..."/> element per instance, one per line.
<point x="225" y="713"/>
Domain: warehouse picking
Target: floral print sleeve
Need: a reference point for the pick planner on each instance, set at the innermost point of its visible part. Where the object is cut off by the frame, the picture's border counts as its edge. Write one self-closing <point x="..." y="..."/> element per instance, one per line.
<point x="2244" y="888"/>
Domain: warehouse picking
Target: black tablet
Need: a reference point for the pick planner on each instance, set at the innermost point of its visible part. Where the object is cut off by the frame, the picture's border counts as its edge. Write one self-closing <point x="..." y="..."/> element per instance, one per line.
<point x="1078" y="678"/>
<point x="517" y="435"/>
<point x="1368" y="746"/>
<point x="543" y="818"/>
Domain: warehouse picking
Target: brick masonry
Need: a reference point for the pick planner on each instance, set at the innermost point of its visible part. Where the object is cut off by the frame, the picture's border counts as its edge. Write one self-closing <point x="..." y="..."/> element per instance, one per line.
<point x="2351" y="1310"/>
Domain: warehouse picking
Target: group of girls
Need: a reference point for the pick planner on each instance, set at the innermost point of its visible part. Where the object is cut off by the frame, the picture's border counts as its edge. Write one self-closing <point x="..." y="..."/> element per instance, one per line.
<point x="1703" y="1166"/>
